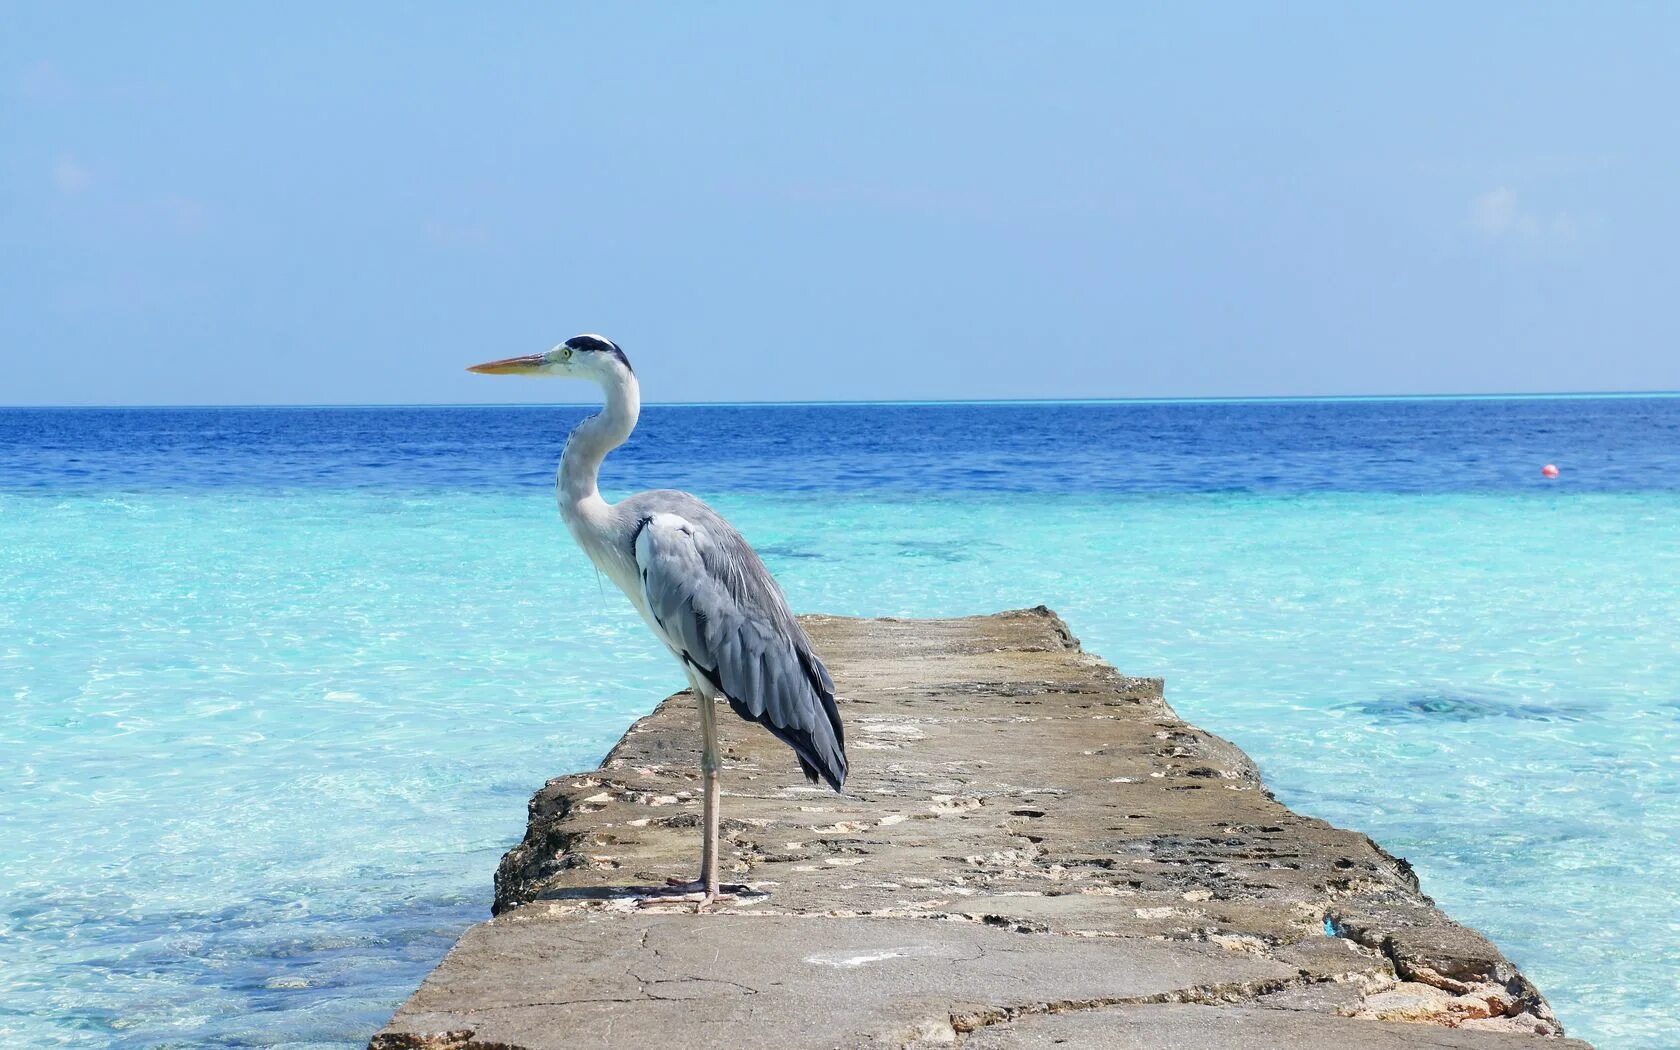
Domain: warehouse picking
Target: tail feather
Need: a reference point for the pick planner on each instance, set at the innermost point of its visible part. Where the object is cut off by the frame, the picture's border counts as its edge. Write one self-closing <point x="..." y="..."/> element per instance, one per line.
<point x="788" y="704"/>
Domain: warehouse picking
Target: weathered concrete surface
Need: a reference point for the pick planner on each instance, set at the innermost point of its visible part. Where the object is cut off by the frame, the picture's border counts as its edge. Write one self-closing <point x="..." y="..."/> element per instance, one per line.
<point x="1032" y="850"/>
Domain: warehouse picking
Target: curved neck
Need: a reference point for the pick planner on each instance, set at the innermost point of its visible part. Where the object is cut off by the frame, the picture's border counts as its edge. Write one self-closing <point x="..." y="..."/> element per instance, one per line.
<point x="580" y="464"/>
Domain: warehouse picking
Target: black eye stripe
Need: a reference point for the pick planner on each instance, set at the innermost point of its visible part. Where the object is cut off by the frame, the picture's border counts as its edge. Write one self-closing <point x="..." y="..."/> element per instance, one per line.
<point x="595" y="344"/>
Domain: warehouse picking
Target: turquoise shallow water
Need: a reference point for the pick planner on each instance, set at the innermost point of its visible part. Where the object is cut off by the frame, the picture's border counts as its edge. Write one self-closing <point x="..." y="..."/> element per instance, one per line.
<point x="264" y="747"/>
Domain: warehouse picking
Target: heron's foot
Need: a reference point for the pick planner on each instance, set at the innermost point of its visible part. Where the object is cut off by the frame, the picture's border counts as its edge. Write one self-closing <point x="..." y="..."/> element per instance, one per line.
<point x="697" y="893"/>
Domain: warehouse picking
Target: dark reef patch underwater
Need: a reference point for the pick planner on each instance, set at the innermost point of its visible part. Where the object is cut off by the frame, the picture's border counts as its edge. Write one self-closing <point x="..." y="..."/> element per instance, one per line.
<point x="1465" y="707"/>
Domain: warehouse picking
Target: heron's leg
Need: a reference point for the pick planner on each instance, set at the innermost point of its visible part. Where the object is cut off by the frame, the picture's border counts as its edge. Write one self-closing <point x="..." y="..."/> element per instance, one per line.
<point x="706" y="886"/>
<point x="709" y="763"/>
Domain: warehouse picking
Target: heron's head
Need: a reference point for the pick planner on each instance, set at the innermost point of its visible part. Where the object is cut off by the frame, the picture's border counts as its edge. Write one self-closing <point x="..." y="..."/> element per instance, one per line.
<point x="580" y="357"/>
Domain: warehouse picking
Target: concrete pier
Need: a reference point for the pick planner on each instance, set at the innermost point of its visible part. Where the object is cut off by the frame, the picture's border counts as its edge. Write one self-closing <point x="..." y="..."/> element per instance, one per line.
<point x="1032" y="850"/>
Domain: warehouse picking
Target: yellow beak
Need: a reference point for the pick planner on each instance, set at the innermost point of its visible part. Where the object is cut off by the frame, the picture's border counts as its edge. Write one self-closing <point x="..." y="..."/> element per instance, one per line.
<point x="512" y="366"/>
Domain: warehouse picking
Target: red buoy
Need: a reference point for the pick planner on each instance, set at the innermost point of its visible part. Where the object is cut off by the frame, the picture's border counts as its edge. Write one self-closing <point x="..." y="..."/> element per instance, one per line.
<point x="1550" y="470"/>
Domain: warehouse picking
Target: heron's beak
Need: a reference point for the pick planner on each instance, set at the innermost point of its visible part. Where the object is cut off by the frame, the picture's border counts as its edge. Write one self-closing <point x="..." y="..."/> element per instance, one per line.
<point x="512" y="366"/>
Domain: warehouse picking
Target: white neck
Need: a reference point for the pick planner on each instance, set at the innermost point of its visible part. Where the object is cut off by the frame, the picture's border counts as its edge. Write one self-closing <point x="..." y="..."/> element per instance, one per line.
<point x="580" y="464"/>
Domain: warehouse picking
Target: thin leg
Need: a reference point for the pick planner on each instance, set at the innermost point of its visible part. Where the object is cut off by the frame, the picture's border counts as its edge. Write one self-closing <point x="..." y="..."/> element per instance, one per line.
<point x="706" y="886"/>
<point x="709" y="781"/>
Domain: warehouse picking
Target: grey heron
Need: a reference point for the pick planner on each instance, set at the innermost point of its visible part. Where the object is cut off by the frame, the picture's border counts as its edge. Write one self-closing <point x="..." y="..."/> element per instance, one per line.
<point x="698" y="584"/>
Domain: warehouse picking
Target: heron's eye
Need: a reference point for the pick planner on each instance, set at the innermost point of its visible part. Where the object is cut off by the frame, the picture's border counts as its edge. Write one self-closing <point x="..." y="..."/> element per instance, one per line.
<point x="566" y="354"/>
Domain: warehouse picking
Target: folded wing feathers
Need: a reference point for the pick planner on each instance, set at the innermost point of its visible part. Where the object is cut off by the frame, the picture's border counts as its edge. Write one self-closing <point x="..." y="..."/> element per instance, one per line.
<point x="723" y="613"/>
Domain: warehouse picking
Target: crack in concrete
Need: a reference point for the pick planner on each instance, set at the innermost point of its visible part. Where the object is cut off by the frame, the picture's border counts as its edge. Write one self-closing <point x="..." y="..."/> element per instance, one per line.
<point x="1222" y="994"/>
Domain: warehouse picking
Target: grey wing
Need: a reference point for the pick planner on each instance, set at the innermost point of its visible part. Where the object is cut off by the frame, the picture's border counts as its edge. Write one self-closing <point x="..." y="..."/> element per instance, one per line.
<point x="722" y="613"/>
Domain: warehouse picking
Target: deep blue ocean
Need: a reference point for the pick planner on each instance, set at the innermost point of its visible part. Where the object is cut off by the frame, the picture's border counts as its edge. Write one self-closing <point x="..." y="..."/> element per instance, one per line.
<point x="277" y="682"/>
<point x="1412" y="445"/>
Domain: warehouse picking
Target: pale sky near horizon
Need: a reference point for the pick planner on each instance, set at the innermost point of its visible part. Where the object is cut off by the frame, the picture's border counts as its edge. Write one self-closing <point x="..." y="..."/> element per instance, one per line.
<point x="315" y="203"/>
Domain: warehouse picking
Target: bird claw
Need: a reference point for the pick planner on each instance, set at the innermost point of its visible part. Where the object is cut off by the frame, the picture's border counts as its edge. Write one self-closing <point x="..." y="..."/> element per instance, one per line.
<point x="695" y="892"/>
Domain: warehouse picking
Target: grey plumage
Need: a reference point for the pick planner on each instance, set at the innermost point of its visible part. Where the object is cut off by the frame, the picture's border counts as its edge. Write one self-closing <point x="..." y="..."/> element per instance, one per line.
<point x="723" y="614"/>
<point x="697" y="583"/>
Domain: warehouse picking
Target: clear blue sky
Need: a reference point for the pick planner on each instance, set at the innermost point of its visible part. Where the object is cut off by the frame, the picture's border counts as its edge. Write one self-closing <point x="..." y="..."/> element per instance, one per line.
<point x="347" y="203"/>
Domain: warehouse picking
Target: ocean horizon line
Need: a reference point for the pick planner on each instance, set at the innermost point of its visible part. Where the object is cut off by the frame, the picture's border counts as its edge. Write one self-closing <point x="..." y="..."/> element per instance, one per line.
<point x="1600" y="395"/>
